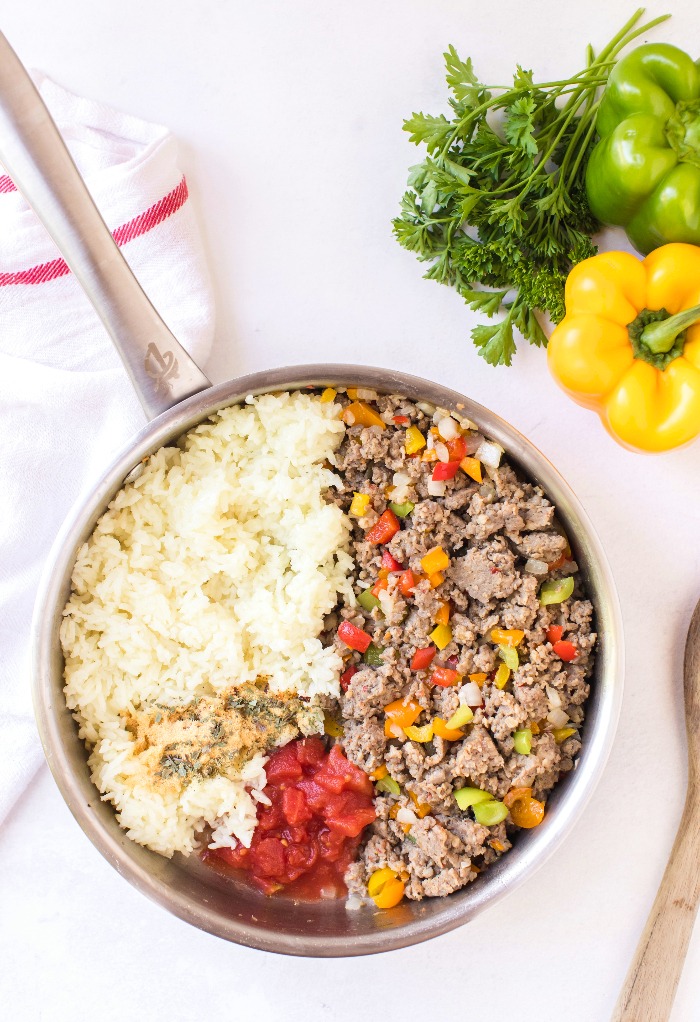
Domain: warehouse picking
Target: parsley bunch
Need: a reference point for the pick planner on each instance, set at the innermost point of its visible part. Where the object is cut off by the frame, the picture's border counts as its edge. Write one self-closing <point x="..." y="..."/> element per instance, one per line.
<point x="498" y="207"/>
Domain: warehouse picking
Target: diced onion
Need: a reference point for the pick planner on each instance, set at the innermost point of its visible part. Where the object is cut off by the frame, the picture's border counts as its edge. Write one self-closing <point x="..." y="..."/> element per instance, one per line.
<point x="442" y="452"/>
<point x="400" y="478"/>
<point x="488" y="492"/>
<point x="535" y="567"/>
<point x="467" y="424"/>
<point x="470" y="694"/>
<point x="426" y="407"/>
<point x="472" y="442"/>
<point x="558" y="718"/>
<point x="406" y="815"/>
<point x="553" y="696"/>
<point x="366" y="395"/>
<point x="448" y="428"/>
<point x="430" y="442"/>
<point x="489" y="453"/>
<point x="436" y="488"/>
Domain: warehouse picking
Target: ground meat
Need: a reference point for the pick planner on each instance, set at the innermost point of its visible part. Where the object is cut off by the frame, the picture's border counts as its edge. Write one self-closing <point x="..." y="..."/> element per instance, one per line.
<point x="488" y="531"/>
<point x="487" y="572"/>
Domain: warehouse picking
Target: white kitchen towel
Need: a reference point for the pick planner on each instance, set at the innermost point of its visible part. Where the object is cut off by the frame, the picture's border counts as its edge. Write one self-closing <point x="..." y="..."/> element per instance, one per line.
<point x="66" y="405"/>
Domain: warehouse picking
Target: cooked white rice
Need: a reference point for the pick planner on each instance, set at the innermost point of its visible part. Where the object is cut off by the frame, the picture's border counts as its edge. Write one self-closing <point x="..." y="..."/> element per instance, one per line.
<point x="214" y="567"/>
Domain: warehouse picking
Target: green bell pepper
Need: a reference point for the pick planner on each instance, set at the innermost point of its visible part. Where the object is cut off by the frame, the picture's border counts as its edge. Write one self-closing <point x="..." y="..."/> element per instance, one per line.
<point x="644" y="173"/>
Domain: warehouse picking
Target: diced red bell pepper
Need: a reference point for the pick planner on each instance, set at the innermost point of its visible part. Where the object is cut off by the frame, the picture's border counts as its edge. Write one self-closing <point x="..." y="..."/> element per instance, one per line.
<point x="565" y="650"/>
<point x="407" y="582"/>
<point x="386" y="526"/>
<point x="390" y="562"/>
<point x="400" y="420"/>
<point x="354" y="637"/>
<point x="423" y="658"/>
<point x="445" y="470"/>
<point x="554" y="633"/>
<point x="444" y="677"/>
<point x="457" y="449"/>
<point x="347" y="676"/>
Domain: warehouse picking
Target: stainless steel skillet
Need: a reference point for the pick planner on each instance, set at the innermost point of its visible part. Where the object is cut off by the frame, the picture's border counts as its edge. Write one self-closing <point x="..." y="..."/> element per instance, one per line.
<point x="176" y="395"/>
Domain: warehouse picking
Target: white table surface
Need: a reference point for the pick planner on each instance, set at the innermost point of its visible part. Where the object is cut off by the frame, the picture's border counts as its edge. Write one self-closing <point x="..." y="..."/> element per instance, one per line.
<point x="289" y="114"/>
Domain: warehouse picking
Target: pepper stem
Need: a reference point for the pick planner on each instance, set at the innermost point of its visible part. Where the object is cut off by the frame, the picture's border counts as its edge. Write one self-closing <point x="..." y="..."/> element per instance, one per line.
<point x="661" y="336"/>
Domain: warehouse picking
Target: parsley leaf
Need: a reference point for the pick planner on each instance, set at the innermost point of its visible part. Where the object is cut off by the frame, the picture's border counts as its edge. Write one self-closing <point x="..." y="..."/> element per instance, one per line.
<point x="498" y="207"/>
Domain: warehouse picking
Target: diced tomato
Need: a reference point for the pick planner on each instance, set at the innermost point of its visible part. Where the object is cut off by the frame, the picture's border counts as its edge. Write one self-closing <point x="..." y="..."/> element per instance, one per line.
<point x="349" y="813"/>
<point x="314" y="793"/>
<point x="390" y="562"/>
<point x="294" y="806"/>
<point x="330" y="843"/>
<point x="407" y="582"/>
<point x="386" y="526"/>
<point x="400" y="420"/>
<point x="310" y="832"/>
<point x="554" y="633"/>
<point x="347" y="676"/>
<point x="565" y="650"/>
<point x="267" y="857"/>
<point x="423" y="658"/>
<point x="445" y="470"/>
<point x="300" y="858"/>
<point x="457" y="449"/>
<point x="236" y="857"/>
<point x="444" y="677"/>
<point x="310" y="751"/>
<point x="283" y="765"/>
<point x="381" y="586"/>
<point x="354" y="637"/>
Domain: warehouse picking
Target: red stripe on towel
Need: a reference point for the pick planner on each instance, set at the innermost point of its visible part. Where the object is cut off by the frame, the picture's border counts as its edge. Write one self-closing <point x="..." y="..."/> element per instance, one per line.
<point x="141" y="224"/>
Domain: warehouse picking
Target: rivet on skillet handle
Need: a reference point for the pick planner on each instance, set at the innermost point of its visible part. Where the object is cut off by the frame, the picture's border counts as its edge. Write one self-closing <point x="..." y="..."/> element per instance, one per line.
<point x="36" y="158"/>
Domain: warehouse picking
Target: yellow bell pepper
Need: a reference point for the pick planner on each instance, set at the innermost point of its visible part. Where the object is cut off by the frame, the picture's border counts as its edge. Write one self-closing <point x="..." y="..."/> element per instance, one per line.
<point x="435" y="560"/>
<point x="414" y="440"/>
<point x="629" y="345"/>
<point x="359" y="505"/>
<point x="360" y="414"/>
<point x="385" y="888"/>
<point x="441" y="636"/>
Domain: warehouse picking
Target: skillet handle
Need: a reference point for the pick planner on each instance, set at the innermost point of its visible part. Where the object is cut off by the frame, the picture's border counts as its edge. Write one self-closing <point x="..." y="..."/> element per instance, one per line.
<point x="36" y="158"/>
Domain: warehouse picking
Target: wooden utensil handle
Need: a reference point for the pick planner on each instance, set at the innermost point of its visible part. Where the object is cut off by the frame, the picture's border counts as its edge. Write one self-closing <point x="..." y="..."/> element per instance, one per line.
<point x="650" y="987"/>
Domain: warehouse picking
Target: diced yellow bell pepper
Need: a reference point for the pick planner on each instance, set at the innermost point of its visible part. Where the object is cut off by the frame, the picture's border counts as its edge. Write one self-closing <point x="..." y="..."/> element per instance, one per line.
<point x="507" y="636"/>
<point x="435" y="560"/>
<point x="352" y="393"/>
<point x="385" y="888"/>
<point x="443" y="731"/>
<point x="502" y="676"/>
<point x="380" y="772"/>
<point x="472" y="466"/>
<point x="422" y="808"/>
<point x="419" y="734"/>
<point x="430" y="455"/>
<point x="332" y="727"/>
<point x="562" y="733"/>
<point x="414" y="440"/>
<point x="464" y="715"/>
<point x="443" y="615"/>
<point x="436" y="579"/>
<point x="441" y="636"/>
<point x="360" y="414"/>
<point x="360" y="503"/>
<point x="328" y="395"/>
<point x="478" y="679"/>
